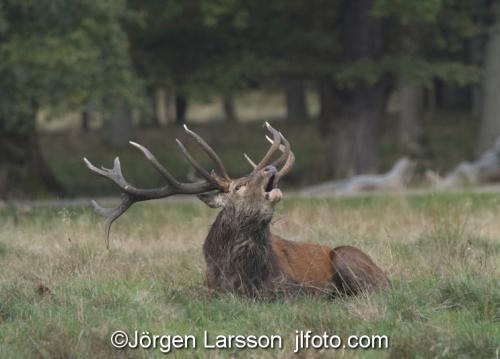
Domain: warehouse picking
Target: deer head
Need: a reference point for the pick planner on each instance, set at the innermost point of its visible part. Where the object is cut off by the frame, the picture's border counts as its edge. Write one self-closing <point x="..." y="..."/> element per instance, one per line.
<point x="256" y="193"/>
<point x="253" y="194"/>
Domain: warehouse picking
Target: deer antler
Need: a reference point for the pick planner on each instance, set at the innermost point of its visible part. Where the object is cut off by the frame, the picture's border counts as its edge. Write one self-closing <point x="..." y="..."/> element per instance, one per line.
<point x="131" y="194"/>
<point x="267" y="157"/>
<point x="287" y="157"/>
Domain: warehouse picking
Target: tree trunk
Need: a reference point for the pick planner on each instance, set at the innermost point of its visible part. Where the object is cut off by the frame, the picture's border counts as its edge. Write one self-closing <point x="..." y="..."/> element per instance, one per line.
<point x="169" y="106"/>
<point x="23" y="169"/>
<point x="181" y="105"/>
<point x="354" y="114"/>
<point x="430" y="99"/>
<point x="411" y="97"/>
<point x="162" y="106"/>
<point x="36" y="157"/>
<point x="336" y="129"/>
<point x="340" y="144"/>
<point x="229" y="109"/>
<point x="118" y="129"/>
<point x="476" y="100"/>
<point x="366" y="123"/>
<point x="351" y="119"/>
<point x="153" y="117"/>
<point x="85" y="120"/>
<point x="476" y="51"/>
<point x="327" y="106"/>
<point x="490" y="118"/>
<point x="365" y="109"/>
<point x="296" y="101"/>
<point x="155" y="104"/>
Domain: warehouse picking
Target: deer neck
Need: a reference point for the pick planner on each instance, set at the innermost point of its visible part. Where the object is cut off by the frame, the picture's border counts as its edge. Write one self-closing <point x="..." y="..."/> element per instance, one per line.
<point x="239" y="246"/>
<point x="235" y="228"/>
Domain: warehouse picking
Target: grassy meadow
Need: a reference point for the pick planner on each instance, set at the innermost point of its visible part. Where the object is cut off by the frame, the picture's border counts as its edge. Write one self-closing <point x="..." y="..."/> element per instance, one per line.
<point x="62" y="293"/>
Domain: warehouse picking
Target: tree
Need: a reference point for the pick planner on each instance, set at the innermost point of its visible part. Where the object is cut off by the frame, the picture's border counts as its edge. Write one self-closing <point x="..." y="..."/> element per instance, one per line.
<point x="337" y="43"/>
<point x="353" y="100"/>
<point x="181" y="106"/>
<point x="411" y="112"/>
<point x="429" y="44"/>
<point x="58" y="55"/>
<point x="489" y="129"/>
<point x="264" y="44"/>
<point x="85" y="119"/>
<point x="173" y="48"/>
<point x="118" y="127"/>
<point x="354" y="51"/>
<point x="229" y="109"/>
<point x="296" y="100"/>
<point x="411" y="100"/>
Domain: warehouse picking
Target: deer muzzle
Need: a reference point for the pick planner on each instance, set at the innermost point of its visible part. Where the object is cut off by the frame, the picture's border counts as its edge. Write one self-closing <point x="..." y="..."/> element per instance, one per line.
<point x="274" y="196"/>
<point x="270" y="184"/>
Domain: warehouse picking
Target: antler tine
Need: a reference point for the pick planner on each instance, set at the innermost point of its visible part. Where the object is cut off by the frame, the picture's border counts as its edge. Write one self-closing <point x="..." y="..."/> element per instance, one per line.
<point x="288" y="165"/>
<point x="285" y="150"/>
<point x="209" y="151"/>
<point x="157" y="165"/>
<point x="111" y="214"/>
<point x="195" y="163"/>
<point x="252" y="163"/>
<point x="274" y="147"/>
<point x="128" y="196"/>
<point x="287" y="154"/>
<point x="114" y="174"/>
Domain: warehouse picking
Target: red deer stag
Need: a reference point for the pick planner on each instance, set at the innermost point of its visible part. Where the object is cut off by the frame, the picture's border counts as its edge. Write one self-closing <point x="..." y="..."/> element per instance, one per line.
<point x="241" y="253"/>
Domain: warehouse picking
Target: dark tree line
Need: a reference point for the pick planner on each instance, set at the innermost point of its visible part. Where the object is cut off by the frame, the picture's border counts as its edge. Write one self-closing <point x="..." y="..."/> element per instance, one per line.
<point x="63" y="55"/>
<point x="354" y="53"/>
<point x="116" y="56"/>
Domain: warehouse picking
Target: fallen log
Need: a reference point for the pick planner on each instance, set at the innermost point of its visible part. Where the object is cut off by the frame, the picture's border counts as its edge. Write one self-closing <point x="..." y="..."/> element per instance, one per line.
<point x="486" y="169"/>
<point x="396" y="179"/>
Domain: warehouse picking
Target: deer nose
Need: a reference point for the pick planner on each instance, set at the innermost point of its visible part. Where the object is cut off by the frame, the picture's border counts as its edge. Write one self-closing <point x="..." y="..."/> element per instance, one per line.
<point x="270" y="169"/>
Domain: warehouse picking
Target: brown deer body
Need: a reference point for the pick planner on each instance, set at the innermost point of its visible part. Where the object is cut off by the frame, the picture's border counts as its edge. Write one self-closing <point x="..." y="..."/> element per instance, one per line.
<point x="241" y="253"/>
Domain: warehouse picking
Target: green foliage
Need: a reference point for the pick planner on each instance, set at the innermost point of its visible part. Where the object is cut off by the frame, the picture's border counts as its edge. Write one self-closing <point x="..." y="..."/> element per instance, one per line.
<point x="431" y="37"/>
<point x="305" y="39"/>
<point x="82" y="56"/>
<point x="417" y="70"/>
<point x="63" y="53"/>
<point x="365" y="70"/>
<point x="217" y="12"/>
<point x="230" y="45"/>
<point x="409" y="11"/>
<point x="172" y="42"/>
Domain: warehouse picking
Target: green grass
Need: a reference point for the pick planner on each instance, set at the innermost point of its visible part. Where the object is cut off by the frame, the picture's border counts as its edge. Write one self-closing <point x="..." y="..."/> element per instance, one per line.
<point x="62" y="294"/>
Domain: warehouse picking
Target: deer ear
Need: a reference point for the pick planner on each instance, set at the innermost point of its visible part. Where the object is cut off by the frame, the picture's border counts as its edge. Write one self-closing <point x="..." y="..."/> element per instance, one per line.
<point x="213" y="199"/>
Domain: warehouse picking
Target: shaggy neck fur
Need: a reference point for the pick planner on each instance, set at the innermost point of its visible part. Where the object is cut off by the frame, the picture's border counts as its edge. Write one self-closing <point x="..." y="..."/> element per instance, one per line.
<point x="238" y="252"/>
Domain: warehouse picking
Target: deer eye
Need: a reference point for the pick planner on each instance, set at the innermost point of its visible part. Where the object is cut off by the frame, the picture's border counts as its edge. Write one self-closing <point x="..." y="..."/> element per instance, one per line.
<point x="238" y="187"/>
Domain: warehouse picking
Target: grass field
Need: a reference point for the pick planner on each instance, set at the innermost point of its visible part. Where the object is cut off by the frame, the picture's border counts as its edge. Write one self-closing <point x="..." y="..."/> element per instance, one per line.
<point x="62" y="294"/>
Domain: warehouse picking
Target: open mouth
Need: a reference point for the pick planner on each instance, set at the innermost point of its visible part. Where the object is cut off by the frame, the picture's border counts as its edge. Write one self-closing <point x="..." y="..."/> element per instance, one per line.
<point x="271" y="184"/>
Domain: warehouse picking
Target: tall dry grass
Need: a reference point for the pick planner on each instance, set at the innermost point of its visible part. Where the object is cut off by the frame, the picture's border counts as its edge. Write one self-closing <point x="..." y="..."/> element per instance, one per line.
<point x="62" y="293"/>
